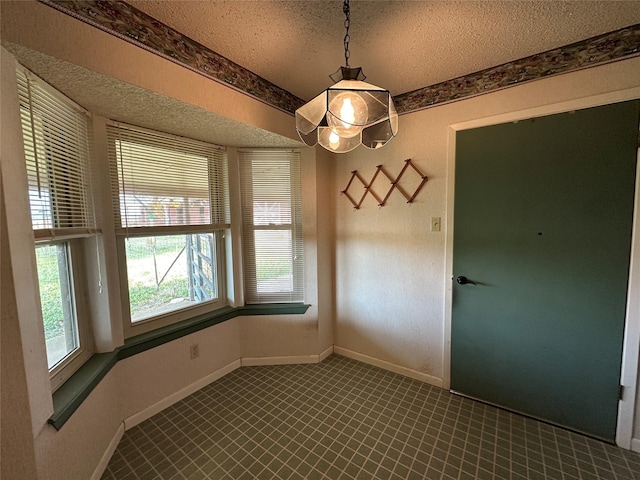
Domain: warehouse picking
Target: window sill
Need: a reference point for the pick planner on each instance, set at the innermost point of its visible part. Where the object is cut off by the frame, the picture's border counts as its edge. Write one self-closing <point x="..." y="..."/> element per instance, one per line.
<point x="78" y="387"/>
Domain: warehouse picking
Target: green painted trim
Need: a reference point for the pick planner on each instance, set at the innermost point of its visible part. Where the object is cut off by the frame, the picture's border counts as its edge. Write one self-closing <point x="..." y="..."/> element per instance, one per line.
<point x="73" y="392"/>
<point x="275" y="309"/>
<point x="154" y="338"/>
<point x="77" y="388"/>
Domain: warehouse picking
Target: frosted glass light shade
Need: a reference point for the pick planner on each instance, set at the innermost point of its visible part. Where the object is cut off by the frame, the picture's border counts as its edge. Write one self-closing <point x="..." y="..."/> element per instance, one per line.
<point x="347" y="114"/>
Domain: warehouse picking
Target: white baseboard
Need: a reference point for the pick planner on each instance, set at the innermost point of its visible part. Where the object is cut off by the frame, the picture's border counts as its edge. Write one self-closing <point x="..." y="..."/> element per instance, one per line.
<point x="148" y="412"/>
<point x="322" y="357"/>
<point x="284" y="360"/>
<point x="635" y="445"/>
<point x="392" y="367"/>
<point x="106" y="457"/>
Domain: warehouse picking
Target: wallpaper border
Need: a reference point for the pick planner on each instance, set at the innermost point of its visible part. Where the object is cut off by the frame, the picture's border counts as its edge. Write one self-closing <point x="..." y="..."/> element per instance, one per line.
<point x="594" y="51"/>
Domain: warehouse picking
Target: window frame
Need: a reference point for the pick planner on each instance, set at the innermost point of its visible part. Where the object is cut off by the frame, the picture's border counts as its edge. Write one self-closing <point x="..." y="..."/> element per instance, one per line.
<point x="132" y="328"/>
<point x="219" y="231"/>
<point x="78" y="224"/>
<point x="62" y="370"/>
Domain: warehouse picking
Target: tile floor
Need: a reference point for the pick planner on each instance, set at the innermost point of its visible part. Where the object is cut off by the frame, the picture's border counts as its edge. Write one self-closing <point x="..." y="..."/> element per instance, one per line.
<point x="343" y="419"/>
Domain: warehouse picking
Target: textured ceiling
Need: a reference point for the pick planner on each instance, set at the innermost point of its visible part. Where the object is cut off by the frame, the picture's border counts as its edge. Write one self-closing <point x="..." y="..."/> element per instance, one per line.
<point x="113" y="99"/>
<point x="401" y="45"/>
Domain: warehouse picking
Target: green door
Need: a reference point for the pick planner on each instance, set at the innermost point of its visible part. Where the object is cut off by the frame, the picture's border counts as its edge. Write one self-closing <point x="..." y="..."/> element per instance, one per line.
<point x="542" y="226"/>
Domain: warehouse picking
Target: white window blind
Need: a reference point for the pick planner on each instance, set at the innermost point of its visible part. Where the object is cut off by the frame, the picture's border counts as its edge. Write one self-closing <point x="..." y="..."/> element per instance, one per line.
<point x="272" y="225"/>
<point x="162" y="180"/>
<point x="56" y="137"/>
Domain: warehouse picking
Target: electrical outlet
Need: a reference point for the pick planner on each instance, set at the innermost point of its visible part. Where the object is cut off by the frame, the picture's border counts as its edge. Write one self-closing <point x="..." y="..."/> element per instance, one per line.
<point x="194" y="351"/>
<point x="435" y="224"/>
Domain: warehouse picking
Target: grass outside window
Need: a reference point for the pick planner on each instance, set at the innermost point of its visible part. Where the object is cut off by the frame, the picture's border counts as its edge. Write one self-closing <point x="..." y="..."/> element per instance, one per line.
<point x="170" y="272"/>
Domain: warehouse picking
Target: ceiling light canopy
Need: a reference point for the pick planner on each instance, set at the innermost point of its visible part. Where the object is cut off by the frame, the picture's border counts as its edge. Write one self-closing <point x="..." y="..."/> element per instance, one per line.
<point x="349" y="113"/>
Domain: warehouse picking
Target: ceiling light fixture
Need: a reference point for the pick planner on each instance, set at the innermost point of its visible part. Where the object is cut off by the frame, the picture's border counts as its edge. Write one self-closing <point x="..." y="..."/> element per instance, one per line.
<point x="349" y="113"/>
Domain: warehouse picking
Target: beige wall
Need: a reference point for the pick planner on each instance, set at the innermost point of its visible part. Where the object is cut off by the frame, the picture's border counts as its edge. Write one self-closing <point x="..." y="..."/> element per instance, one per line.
<point x="17" y="455"/>
<point x="325" y="202"/>
<point x="76" y="449"/>
<point x="391" y="286"/>
<point x="150" y="377"/>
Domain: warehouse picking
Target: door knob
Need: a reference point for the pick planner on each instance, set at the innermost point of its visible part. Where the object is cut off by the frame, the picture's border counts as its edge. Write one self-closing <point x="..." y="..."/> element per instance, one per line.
<point x="462" y="280"/>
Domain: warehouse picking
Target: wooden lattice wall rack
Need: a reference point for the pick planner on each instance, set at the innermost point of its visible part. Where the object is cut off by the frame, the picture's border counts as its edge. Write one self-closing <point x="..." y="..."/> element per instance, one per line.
<point x="395" y="185"/>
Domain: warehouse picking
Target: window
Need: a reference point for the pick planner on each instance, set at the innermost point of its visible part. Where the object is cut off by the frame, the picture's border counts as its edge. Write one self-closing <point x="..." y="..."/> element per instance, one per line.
<point x="272" y="225"/>
<point x="171" y="210"/>
<point x="56" y="143"/>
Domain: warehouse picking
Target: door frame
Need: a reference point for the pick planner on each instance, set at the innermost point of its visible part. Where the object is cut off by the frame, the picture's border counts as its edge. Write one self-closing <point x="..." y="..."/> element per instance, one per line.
<point x="631" y="342"/>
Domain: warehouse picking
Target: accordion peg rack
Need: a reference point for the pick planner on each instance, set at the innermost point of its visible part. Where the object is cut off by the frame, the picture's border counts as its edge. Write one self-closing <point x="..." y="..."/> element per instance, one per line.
<point x="395" y="185"/>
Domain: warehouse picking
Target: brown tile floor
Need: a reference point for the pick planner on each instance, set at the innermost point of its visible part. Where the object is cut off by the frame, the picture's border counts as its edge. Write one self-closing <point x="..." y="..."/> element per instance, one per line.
<point x="343" y="419"/>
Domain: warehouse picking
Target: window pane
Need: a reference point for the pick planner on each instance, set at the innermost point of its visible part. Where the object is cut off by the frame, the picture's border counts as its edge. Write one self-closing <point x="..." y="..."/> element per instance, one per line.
<point x="274" y="257"/>
<point x="56" y="297"/>
<point x="170" y="272"/>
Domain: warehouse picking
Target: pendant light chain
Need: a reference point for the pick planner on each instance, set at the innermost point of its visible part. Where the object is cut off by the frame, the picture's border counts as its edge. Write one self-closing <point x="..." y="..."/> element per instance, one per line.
<point x="347" y="38"/>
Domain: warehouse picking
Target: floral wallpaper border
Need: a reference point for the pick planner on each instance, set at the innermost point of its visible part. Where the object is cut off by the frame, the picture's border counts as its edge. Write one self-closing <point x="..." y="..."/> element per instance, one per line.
<point x="127" y="23"/>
